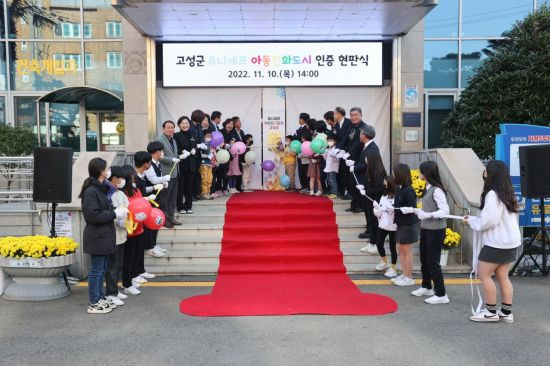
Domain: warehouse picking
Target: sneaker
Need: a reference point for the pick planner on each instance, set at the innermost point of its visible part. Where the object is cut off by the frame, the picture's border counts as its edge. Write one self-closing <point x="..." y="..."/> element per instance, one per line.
<point x="182" y="212"/>
<point x="132" y="290"/>
<point x="139" y="280"/>
<point x="189" y="212"/>
<point x="397" y="278"/>
<point x="365" y="248"/>
<point x="318" y="193"/>
<point x="155" y="253"/>
<point x="422" y="291"/>
<point x="485" y="316"/>
<point x="436" y="300"/>
<point x="206" y="197"/>
<point x="373" y="250"/>
<point x="225" y="193"/>
<point x="390" y="273"/>
<point x="311" y="193"/>
<point x="405" y="281"/>
<point x="160" y="249"/>
<point x="135" y="284"/>
<point x="107" y="303"/>
<point x="147" y="275"/>
<point x="98" y="308"/>
<point x="122" y="296"/>
<point x="233" y="191"/>
<point x="382" y="266"/>
<point x="115" y="300"/>
<point x="505" y="318"/>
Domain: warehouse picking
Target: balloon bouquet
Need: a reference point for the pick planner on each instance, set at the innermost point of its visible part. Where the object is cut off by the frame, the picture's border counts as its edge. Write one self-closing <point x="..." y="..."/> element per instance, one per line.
<point x="141" y="211"/>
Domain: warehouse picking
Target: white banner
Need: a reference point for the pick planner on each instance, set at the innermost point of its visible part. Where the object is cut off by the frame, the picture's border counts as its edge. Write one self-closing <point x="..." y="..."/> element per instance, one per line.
<point x="272" y="64"/>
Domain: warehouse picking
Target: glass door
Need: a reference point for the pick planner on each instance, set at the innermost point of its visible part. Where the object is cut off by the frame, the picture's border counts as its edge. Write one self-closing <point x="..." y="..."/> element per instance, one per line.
<point x="112" y="131"/>
<point x="437" y="108"/>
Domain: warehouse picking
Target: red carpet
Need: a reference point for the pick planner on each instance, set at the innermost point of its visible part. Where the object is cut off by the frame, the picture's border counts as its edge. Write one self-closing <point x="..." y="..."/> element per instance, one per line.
<point x="280" y="256"/>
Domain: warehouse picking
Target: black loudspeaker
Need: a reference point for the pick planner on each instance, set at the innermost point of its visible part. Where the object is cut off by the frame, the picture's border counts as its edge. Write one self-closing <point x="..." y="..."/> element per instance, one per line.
<point x="535" y="170"/>
<point x="53" y="172"/>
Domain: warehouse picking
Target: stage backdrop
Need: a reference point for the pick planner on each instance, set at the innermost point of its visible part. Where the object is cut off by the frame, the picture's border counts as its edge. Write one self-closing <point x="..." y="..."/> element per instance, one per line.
<point x="242" y="102"/>
<point x="373" y="101"/>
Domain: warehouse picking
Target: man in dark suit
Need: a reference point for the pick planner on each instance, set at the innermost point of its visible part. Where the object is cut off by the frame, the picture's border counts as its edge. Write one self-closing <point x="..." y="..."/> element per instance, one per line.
<point x="359" y="168"/>
<point x="215" y="121"/>
<point x="353" y="147"/>
<point x="302" y="121"/>
<point x="341" y="129"/>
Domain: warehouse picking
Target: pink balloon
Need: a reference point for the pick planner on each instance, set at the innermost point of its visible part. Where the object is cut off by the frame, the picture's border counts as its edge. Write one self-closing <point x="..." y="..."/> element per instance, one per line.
<point x="306" y="148"/>
<point x="238" y="148"/>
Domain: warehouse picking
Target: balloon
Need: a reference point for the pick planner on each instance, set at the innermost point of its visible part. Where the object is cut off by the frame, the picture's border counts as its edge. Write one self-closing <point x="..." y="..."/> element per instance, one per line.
<point x="222" y="156"/>
<point x="238" y="148"/>
<point x="250" y="157"/>
<point x="322" y="136"/>
<point x="284" y="180"/>
<point x="139" y="208"/>
<point x="318" y="146"/>
<point x="155" y="220"/>
<point x="268" y="165"/>
<point x="296" y="146"/>
<point x="306" y="148"/>
<point x="216" y="139"/>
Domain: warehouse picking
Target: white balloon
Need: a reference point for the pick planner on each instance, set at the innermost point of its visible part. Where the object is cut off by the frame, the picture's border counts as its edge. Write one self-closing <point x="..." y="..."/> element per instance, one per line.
<point x="250" y="157"/>
<point x="222" y="156"/>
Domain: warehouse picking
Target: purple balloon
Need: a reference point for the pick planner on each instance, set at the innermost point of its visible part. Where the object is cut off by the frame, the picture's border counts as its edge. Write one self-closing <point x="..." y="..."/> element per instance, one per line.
<point x="217" y="139"/>
<point x="268" y="165"/>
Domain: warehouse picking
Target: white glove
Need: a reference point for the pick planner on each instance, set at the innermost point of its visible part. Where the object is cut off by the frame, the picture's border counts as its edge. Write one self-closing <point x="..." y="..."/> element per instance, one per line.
<point x="227" y="146"/>
<point x="121" y="213"/>
<point x="156" y="187"/>
<point x="407" y="210"/>
<point x="150" y="197"/>
<point x="202" y="146"/>
<point x="165" y="184"/>
<point x="210" y="156"/>
<point x="437" y="215"/>
<point x="336" y="150"/>
<point x="362" y="191"/>
<point x="184" y="154"/>
<point x="175" y="160"/>
<point x="360" y="186"/>
<point x="346" y="155"/>
<point x="421" y="214"/>
<point x="350" y="162"/>
<point x="389" y="207"/>
<point x="165" y="178"/>
<point x="193" y="151"/>
<point x="351" y="169"/>
<point x="376" y="205"/>
<point x="340" y="154"/>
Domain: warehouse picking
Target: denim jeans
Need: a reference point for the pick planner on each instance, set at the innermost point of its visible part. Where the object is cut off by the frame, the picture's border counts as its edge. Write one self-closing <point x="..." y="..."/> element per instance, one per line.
<point x="96" y="277"/>
<point x="332" y="179"/>
<point x="232" y="181"/>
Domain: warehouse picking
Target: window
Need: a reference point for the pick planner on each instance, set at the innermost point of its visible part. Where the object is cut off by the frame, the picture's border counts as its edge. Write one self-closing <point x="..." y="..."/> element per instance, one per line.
<point x="87" y="30"/>
<point x="443" y="20"/>
<point x="68" y="30"/>
<point x="113" y="29"/>
<point x="473" y="54"/>
<point x="68" y="57"/>
<point x="440" y="64"/>
<point x="114" y="60"/>
<point x="489" y="18"/>
<point x="89" y="61"/>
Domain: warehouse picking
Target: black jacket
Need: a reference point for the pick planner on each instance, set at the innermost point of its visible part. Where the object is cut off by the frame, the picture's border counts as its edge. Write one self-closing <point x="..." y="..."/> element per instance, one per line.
<point x="351" y="141"/>
<point x="187" y="141"/>
<point x="99" y="234"/>
<point x="342" y="132"/>
<point x="238" y="136"/>
<point x="299" y="132"/>
<point x="405" y="197"/>
<point x="227" y="136"/>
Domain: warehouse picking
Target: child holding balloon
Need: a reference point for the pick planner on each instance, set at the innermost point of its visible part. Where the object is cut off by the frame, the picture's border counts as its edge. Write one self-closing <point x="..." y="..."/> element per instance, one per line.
<point x="249" y="159"/>
<point x="205" y="169"/>
<point x="234" y="169"/>
<point x="289" y="160"/>
<point x="314" y="175"/>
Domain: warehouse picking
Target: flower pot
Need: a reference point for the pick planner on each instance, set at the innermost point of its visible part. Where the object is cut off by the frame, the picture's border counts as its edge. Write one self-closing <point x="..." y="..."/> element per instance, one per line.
<point x="444" y="258"/>
<point x="35" y="279"/>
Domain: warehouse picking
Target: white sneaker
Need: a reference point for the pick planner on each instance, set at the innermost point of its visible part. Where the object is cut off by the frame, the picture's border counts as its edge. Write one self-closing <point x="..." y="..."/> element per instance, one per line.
<point x="122" y="296"/>
<point x="397" y="278"/>
<point x="139" y="280"/>
<point x="135" y="284"/>
<point x="132" y="290"/>
<point x="505" y="318"/>
<point x="155" y="253"/>
<point x="107" y="303"/>
<point x="182" y="212"/>
<point x="160" y="249"/>
<point x="311" y="193"/>
<point x="421" y="291"/>
<point x="318" y="193"/>
<point x="147" y="275"/>
<point x="233" y="190"/>
<point x="436" y="300"/>
<point x="115" y="300"/>
<point x="372" y="249"/>
<point x="390" y="273"/>
<point x="485" y="316"/>
<point x="382" y="266"/>
<point x="405" y="281"/>
<point x="98" y="308"/>
<point x="365" y="248"/>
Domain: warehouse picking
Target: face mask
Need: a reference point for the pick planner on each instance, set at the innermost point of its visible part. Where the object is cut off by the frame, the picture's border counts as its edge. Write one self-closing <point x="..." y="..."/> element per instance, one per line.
<point x="207" y="140"/>
<point x="108" y="174"/>
<point x="121" y="184"/>
<point x="330" y="143"/>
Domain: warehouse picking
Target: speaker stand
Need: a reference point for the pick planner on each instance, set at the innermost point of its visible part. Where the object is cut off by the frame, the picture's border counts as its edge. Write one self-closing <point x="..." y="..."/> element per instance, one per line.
<point x="52" y="228"/>
<point x="545" y="240"/>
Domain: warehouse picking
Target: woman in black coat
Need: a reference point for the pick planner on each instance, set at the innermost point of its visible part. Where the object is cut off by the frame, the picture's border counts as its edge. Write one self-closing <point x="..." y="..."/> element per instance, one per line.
<point x="99" y="233"/>
<point x="187" y="151"/>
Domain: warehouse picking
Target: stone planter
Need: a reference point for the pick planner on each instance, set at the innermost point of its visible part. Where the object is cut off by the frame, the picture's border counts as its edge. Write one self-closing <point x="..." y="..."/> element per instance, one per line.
<point x="35" y="279"/>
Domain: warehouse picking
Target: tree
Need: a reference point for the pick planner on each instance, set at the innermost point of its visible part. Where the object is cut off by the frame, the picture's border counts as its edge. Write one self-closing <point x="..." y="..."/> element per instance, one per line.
<point x="14" y="141"/>
<point x="512" y="85"/>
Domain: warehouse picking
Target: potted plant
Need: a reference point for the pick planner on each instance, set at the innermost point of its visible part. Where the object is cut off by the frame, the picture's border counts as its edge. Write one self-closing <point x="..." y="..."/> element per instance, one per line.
<point x="452" y="240"/>
<point x="34" y="262"/>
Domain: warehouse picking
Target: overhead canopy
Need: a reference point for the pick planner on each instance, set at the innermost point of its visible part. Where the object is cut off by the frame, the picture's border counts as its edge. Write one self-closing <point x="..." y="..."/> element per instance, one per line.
<point x="95" y="98"/>
<point x="261" y="20"/>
